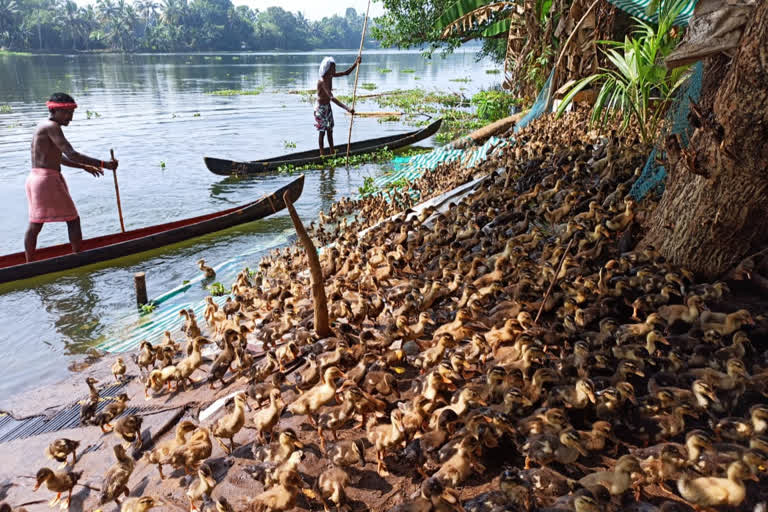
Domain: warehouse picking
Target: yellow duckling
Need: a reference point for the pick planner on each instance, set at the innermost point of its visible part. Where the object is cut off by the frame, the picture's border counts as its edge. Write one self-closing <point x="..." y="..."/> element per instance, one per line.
<point x="710" y="491"/>
<point x="208" y="272"/>
<point x="279" y="452"/>
<point x="163" y="450"/>
<point x="279" y="497"/>
<point x="118" y="370"/>
<point x="266" y="418"/>
<point x="201" y="486"/>
<point x="197" y="448"/>
<point x="385" y="437"/>
<point x="141" y="504"/>
<point x="192" y="362"/>
<point x="330" y="487"/>
<point x="461" y="464"/>
<point x="618" y="480"/>
<point x="311" y="401"/>
<point x="228" y="426"/>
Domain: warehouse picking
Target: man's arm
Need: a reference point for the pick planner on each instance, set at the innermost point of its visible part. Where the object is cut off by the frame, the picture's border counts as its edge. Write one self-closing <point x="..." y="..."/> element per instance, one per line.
<point x="70" y="156"/>
<point x="321" y="85"/>
<point x="351" y="68"/>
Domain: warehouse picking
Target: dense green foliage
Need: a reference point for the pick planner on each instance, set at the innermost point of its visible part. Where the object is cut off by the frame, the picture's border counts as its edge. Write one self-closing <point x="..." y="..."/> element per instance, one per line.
<point x="411" y="24"/>
<point x="637" y="86"/>
<point x="494" y="104"/>
<point x="168" y="25"/>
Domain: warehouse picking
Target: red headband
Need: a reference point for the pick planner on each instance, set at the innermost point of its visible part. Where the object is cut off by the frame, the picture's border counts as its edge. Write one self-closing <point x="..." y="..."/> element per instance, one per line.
<point x="66" y="106"/>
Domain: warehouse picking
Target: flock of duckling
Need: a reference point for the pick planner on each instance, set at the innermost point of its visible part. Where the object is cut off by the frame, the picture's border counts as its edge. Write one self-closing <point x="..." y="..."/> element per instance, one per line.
<point x="514" y="338"/>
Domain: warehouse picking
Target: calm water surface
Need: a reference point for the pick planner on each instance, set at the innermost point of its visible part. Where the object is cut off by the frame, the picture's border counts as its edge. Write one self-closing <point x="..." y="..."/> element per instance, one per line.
<point x="154" y="111"/>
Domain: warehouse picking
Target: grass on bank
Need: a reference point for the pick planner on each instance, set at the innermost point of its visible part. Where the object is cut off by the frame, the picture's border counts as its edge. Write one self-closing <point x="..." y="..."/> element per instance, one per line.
<point x="238" y="92"/>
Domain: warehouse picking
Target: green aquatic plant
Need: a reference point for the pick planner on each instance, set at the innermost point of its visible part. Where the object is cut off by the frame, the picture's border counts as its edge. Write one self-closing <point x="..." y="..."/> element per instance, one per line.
<point x="492" y="71"/>
<point x="385" y="70"/>
<point x="494" y="104"/>
<point x="398" y="184"/>
<point x="368" y="188"/>
<point x="408" y="71"/>
<point x="162" y="164"/>
<point x="462" y="80"/>
<point x="238" y="92"/>
<point x="147" y="308"/>
<point x="289" y="144"/>
<point x="368" y="86"/>
<point x="196" y="114"/>
<point x="5" y="109"/>
<point x="217" y="289"/>
<point x="91" y="113"/>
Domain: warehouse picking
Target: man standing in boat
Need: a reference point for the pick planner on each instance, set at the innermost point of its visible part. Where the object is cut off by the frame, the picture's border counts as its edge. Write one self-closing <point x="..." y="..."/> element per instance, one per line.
<point x="323" y="113"/>
<point x="47" y="193"/>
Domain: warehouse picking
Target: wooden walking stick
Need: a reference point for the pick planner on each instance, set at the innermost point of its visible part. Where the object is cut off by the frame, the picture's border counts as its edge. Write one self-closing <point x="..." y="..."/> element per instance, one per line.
<point x="117" y="193"/>
<point x="357" y="74"/>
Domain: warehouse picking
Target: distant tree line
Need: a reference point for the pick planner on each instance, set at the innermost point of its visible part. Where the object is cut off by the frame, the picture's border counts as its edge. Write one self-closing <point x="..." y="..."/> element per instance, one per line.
<point x="168" y="26"/>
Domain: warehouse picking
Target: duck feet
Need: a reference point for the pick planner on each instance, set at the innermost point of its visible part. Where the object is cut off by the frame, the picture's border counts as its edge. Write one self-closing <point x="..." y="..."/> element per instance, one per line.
<point x="54" y="501"/>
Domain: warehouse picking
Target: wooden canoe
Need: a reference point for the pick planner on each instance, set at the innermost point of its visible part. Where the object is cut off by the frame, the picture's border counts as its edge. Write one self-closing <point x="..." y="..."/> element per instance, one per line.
<point x="270" y="165"/>
<point x="60" y="257"/>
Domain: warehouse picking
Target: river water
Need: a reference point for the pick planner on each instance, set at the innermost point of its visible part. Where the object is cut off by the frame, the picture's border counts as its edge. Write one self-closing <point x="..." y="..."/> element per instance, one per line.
<point x="155" y="112"/>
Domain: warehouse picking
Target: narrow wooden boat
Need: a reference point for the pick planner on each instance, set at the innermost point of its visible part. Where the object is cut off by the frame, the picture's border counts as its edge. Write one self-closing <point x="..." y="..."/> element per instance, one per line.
<point x="270" y="165"/>
<point x="60" y="257"/>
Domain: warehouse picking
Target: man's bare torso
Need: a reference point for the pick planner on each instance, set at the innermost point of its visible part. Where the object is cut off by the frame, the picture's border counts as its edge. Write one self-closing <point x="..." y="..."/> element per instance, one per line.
<point x="45" y="153"/>
<point x="324" y="90"/>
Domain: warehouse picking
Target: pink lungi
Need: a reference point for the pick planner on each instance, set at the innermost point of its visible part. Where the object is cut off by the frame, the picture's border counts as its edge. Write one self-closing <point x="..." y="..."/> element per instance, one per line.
<point x="48" y="197"/>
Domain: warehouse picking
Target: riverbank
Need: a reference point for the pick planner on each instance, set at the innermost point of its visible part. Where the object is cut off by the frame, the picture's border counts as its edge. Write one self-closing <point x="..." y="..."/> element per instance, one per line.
<point x="521" y="304"/>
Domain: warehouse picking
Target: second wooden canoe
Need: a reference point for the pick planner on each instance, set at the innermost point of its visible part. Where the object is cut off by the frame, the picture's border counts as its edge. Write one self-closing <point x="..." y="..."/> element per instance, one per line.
<point x="224" y="167"/>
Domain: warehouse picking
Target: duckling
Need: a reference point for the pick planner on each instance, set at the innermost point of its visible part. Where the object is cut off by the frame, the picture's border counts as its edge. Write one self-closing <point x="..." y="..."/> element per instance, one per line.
<point x="330" y="487"/>
<point x="360" y="402"/>
<point x="434" y="496"/>
<point x="618" y="480"/>
<point x="286" y="354"/>
<point x="141" y="504"/>
<point x="576" y="397"/>
<point x="88" y="408"/>
<point x="547" y="448"/>
<point x="594" y="440"/>
<point x="385" y="437"/>
<point x="260" y="391"/>
<point x="265" y="419"/>
<point x="734" y="429"/>
<point x="311" y="401"/>
<point x="688" y="313"/>
<point x="381" y="382"/>
<point x="197" y="448"/>
<point x="162" y="451"/>
<point x="229" y="425"/>
<point x="223" y="361"/>
<point x="466" y="398"/>
<point x="128" y="428"/>
<point x="159" y="378"/>
<point x="583" y="503"/>
<point x="208" y="272"/>
<point x="146" y="357"/>
<point x="111" y="411"/>
<point x="277" y="453"/>
<point x="60" y="449"/>
<point x="424" y="448"/>
<point x="118" y="370"/>
<point x="280" y="497"/>
<point x="201" y="486"/>
<point x="711" y="491"/>
<point x="347" y="453"/>
<point x="357" y="373"/>
<point x="116" y="478"/>
<point x="192" y="362"/>
<point x="461" y="464"/>
<point x="728" y="325"/>
<point x="514" y="491"/>
<point x="58" y="482"/>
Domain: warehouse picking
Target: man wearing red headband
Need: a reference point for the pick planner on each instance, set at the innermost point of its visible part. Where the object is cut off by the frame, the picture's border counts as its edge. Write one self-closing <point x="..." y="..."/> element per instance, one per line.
<point x="47" y="193"/>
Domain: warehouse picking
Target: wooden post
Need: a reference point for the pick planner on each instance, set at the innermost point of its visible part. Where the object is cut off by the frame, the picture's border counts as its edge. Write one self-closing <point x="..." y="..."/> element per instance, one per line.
<point x="322" y="328"/>
<point x="140" y="283"/>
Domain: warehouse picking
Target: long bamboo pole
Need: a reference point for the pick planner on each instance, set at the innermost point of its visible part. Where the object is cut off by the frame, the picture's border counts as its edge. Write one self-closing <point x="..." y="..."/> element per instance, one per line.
<point x="357" y="74"/>
<point x="117" y="193"/>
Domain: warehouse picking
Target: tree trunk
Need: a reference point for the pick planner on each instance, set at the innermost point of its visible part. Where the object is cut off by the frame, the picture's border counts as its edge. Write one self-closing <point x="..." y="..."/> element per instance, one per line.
<point x="319" y="301"/>
<point x="715" y="207"/>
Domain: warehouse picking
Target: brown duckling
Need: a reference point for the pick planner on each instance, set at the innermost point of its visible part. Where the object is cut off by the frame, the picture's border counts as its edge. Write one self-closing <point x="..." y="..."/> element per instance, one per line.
<point x="128" y="428"/>
<point x="583" y="503"/>
<point x="200" y="487"/>
<point x="330" y="486"/>
<point x="118" y="370"/>
<point x="260" y="391"/>
<point x="544" y="449"/>
<point x="160" y="454"/>
<point x="146" y="357"/>
<point x="229" y="425"/>
<point x="459" y="466"/>
<point x="58" y="482"/>
<point x="385" y="437"/>
<point x="277" y="453"/>
<point x="347" y="452"/>
<point x="116" y="478"/>
<point x="208" y="272"/>
<point x="381" y="382"/>
<point x="111" y="411"/>
<point x="311" y="401"/>
<point x="265" y="419"/>
<point x="60" y="449"/>
<point x="710" y="491"/>
<point x="286" y="354"/>
<point x="141" y="504"/>
<point x="197" y="448"/>
<point x="425" y="447"/>
<point x="619" y="479"/>
<point x="88" y="408"/>
<point x="514" y="491"/>
<point x="192" y="362"/>
<point x="434" y="496"/>
<point x="727" y="325"/>
<point x="223" y="361"/>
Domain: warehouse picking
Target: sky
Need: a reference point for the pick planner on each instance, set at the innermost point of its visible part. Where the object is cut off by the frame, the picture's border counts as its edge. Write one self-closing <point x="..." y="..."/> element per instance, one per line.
<point x="314" y="9"/>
